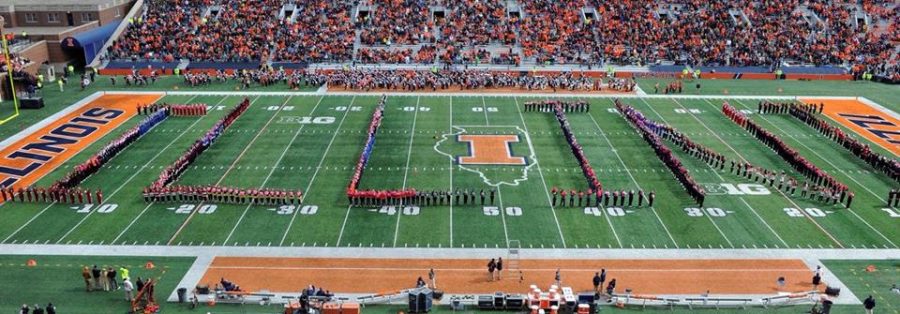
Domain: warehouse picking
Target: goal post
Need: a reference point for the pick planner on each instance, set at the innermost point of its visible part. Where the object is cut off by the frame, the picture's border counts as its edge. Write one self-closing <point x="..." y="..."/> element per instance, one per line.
<point x="9" y="72"/>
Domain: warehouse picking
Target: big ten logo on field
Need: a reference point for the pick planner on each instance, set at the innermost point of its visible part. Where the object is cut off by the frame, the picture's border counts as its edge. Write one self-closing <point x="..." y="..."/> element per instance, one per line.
<point x="497" y="154"/>
<point x="43" y="150"/>
<point x="735" y="189"/>
<point x="305" y="120"/>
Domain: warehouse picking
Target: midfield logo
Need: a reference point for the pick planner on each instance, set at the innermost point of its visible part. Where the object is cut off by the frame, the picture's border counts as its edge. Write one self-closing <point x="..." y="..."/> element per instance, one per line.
<point x="500" y="155"/>
<point x="490" y="150"/>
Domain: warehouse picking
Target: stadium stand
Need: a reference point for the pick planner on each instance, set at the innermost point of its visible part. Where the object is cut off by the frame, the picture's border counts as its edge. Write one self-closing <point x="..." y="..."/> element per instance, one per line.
<point x="744" y="36"/>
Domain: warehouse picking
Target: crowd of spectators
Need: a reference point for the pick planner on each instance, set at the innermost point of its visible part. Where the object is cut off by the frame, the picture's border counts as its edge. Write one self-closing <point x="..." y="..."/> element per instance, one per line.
<point x="710" y="33"/>
<point x="396" y="22"/>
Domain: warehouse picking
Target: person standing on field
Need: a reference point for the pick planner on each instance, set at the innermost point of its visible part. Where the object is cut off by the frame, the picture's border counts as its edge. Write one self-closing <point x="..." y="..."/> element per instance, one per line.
<point x="128" y="287"/>
<point x="499" y="268"/>
<point x="869" y="304"/>
<point x="431" y="276"/>
<point x="492" y="265"/>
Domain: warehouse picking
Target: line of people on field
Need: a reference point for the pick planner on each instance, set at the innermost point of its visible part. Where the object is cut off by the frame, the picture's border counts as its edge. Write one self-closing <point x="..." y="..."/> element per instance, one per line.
<point x="744" y="169"/>
<point x="619" y="198"/>
<point x="221" y="195"/>
<point x="560" y="109"/>
<point x="434" y="80"/>
<point x="807" y="114"/>
<point x="550" y="105"/>
<point x="73" y="195"/>
<point x="178" y="110"/>
<point x="817" y="176"/>
<point x="637" y="120"/>
<point x="422" y="198"/>
<point x="176" y="169"/>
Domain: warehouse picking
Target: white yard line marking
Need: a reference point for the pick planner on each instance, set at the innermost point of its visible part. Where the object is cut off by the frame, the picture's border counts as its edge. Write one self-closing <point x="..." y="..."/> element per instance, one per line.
<point x="816" y="223"/>
<point x="406" y="173"/>
<point x="502" y="216"/>
<point x="241" y="155"/>
<point x="318" y="167"/>
<point x="833" y="165"/>
<point x="723" y="180"/>
<point x="487" y="122"/>
<point x="608" y="220"/>
<point x="274" y="167"/>
<point x="119" y="188"/>
<point x="151" y="203"/>
<point x="451" y="176"/>
<point x="28" y="222"/>
<point x="633" y="180"/>
<point x="541" y="173"/>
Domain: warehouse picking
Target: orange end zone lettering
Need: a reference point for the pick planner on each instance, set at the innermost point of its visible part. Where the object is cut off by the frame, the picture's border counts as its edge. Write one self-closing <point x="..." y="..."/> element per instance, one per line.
<point x="25" y="161"/>
<point x="490" y="150"/>
<point x="875" y="125"/>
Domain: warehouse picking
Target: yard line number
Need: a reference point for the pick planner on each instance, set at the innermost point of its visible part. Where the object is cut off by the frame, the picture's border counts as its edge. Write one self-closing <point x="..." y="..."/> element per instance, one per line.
<point x="103" y="209"/>
<point x="611" y="211"/>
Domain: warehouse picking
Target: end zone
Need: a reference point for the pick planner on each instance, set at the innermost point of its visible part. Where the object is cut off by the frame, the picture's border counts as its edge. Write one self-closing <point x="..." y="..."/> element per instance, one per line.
<point x="35" y="152"/>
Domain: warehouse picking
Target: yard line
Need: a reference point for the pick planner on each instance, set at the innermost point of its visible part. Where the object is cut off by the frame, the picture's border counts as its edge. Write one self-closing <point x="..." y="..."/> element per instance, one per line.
<point x="503" y="215"/>
<point x="723" y="180"/>
<point x="319" y="166"/>
<point x="151" y="203"/>
<point x="274" y="167"/>
<point x="484" y="109"/>
<point x="540" y="172"/>
<point x="28" y="222"/>
<point x="451" y="174"/>
<point x="745" y="160"/>
<point x="836" y="167"/>
<point x="241" y="155"/>
<point x="406" y="173"/>
<point x="499" y="196"/>
<point x="633" y="180"/>
<point x="116" y="191"/>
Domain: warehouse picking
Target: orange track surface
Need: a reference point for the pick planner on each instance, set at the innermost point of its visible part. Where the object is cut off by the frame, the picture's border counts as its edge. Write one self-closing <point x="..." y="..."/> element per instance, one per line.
<point x="126" y="103"/>
<point x="470" y="276"/>
<point x="837" y="109"/>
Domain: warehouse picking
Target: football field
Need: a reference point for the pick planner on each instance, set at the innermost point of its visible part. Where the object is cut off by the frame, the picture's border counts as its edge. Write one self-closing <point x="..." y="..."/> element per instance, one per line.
<point x="312" y="142"/>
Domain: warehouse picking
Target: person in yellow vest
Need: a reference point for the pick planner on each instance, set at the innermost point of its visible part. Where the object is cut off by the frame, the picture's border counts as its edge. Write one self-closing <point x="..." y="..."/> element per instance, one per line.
<point x="40" y="77"/>
<point x="70" y="70"/>
<point x="177" y="71"/>
<point x="779" y="74"/>
<point x="25" y="35"/>
<point x="684" y="73"/>
<point x="697" y="74"/>
<point x="61" y="86"/>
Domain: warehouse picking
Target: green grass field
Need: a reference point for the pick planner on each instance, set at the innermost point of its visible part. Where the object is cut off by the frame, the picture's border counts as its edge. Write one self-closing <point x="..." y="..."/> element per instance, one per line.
<point x="267" y="147"/>
<point x="57" y="279"/>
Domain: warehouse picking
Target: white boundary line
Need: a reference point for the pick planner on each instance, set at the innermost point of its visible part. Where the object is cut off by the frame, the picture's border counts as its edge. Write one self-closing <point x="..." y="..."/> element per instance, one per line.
<point x="522" y="94"/>
<point x="313" y="179"/>
<point x="445" y="253"/>
<point x="630" y="175"/>
<point x="151" y="203"/>
<point x="541" y="173"/>
<point x="412" y="136"/>
<point x="723" y="180"/>
<point x="27" y="222"/>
